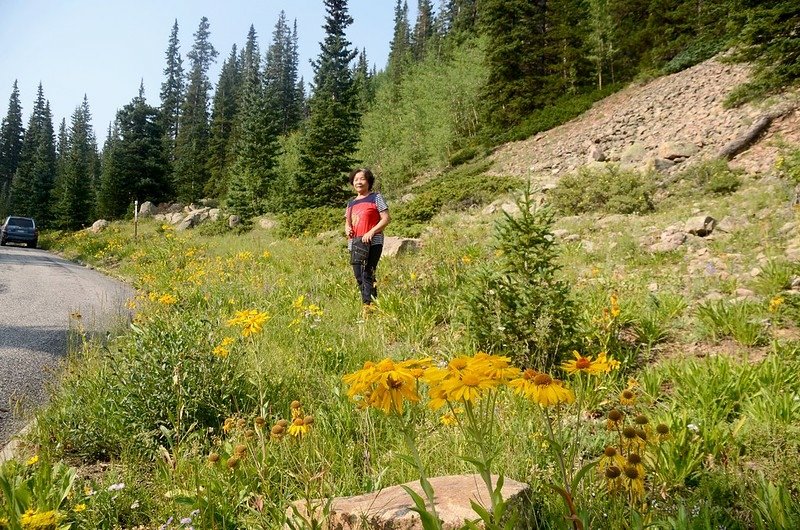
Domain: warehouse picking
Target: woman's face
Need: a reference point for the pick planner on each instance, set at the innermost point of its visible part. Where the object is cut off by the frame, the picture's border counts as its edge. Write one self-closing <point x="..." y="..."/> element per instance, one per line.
<point x="360" y="183"/>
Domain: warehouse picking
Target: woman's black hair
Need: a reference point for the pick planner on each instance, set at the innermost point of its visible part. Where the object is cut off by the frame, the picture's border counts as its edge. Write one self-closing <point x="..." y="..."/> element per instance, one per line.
<point x="367" y="175"/>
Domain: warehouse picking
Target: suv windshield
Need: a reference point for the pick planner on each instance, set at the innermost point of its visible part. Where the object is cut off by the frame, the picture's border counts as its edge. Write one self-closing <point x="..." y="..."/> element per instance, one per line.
<point x="20" y="221"/>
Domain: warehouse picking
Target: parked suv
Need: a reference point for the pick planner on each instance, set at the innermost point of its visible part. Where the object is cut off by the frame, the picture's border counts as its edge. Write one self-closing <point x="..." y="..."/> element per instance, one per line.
<point x="19" y="230"/>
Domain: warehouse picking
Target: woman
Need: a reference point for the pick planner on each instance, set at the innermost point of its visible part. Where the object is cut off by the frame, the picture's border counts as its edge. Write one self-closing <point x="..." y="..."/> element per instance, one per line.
<point x="365" y="218"/>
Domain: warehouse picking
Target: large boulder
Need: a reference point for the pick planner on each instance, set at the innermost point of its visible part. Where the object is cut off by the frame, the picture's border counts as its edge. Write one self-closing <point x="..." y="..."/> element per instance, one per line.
<point x="700" y="225"/>
<point x="99" y="226"/>
<point x="147" y="209"/>
<point x="392" y="508"/>
<point x="393" y="246"/>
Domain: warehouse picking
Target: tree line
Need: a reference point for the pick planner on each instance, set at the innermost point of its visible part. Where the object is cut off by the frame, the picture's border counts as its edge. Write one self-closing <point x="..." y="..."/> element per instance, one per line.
<point x="257" y="142"/>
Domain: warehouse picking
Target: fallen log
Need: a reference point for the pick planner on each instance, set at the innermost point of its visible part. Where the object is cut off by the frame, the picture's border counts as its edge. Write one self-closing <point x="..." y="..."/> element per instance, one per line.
<point x="747" y="139"/>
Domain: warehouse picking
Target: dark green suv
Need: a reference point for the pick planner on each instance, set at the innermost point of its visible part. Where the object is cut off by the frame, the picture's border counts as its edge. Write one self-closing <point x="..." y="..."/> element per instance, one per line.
<point x="19" y="230"/>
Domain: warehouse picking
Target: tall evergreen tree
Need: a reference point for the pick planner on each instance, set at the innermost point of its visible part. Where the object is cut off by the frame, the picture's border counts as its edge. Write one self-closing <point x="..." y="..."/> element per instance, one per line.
<point x="256" y="150"/>
<point x="566" y="49"/>
<point x="12" y="135"/>
<point x="362" y="84"/>
<point x="423" y="29"/>
<point x="191" y="149"/>
<point x="32" y="184"/>
<point x="74" y="193"/>
<point x="223" y="115"/>
<point x="331" y="131"/>
<point x="400" y="52"/>
<point x="280" y="74"/>
<point x="518" y="66"/>
<point x="135" y="166"/>
<point x="172" y="92"/>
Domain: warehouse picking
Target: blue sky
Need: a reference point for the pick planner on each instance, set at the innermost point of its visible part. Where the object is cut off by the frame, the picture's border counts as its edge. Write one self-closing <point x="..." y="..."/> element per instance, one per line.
<point x="103" y="48"/>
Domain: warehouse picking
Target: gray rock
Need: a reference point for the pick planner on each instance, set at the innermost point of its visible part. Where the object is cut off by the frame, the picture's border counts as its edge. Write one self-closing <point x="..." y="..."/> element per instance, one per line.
<point x="392" y="508"/>
<point x="596" y="154"/>
<point x="234" y="221"/>
<point x="669" y="240"/>
<point x="394" y="246"/>
<point x="147" y="209"/>
<point x="674" y="150"/>
<point x="267" y="224"/>
<point x="700" y="225"/>
<point x="213" y="214"/>
<point x="98" y="226"/>
<point x="731" y="224"/>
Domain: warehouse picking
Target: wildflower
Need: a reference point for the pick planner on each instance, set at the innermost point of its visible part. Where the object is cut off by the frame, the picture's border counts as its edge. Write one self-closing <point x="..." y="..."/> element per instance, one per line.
<point x="298" y="428"/>
<point x="693" y="427"/>
<point x="601" y="365"/>
<point x="117" y="487"/>
<point x="610" y="458"/>
<point x="88" y="491"/>
<point x="614" y="417"/>
<point x="167" y="299"/>
<point x="634" y="481"/>
<point x="466" y="260"/>
<point x="775" y="303"/>
<point x="240" y="450"/>
<point x="627" y="397"/>
<point x="221" y="351"/>
<point x="385" y="385"/>
<point x="229" y="424"/>
<point x="134" y="505"/>
<point x="614" y="306"/>
<point x="278" y="431"/>
<point x="662" y="430"/>
<point x="297" y="411"/>
<point x="34" y="519"/>
<point x="266" y="254"/>
<point x="542" y="388"/>
<point x="32" y="460"/>
<point x="298" y="302"/>
<point x="251" y="321"/>
<point x="449" y="419"/>
<point x="233" y="462"/>
<point x="78" y="508"/>
<point x="469" y="387"/>
<point x="612" y="474"/>
<point x="186" y="520"/>
<point x="213" y="458"/>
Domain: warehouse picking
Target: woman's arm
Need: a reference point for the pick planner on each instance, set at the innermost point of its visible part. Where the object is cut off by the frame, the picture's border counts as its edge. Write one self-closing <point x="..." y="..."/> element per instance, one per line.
<point x="366" y="238"/>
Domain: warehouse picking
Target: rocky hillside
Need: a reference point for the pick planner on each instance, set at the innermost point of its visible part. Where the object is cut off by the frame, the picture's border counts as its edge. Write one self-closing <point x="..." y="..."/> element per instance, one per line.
<point x="661" y="124"/>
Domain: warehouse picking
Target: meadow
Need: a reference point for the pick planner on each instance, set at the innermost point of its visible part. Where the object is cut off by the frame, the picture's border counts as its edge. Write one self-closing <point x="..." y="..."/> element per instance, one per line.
<point x="627" y="388"/>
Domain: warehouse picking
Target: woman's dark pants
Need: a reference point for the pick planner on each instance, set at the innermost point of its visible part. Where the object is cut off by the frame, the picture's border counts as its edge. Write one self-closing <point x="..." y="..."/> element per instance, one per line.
<point x="365" y="274"/>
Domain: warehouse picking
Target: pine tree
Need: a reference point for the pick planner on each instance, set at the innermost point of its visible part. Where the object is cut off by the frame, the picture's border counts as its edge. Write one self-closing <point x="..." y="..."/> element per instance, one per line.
<point x="135" y="166"/>
<point x="331" y="131"/>
<point x="256" y="149"/>
<point x="423" y="29"/>
<point x="601" y="40"/>
<point x="172" y="92"/>
<point x="362" y="84"/>
<point x="191" y="149"/>
<point x="74" y="197"/>
<point x="223" y="115"/>
<point x="518" y="66"/>
<point x="566" y="48"/>
<point x="400" y="52"/>
<point x="12" y="135"/>
<point x="280" y="74"/>
<point x="32" y="184"/>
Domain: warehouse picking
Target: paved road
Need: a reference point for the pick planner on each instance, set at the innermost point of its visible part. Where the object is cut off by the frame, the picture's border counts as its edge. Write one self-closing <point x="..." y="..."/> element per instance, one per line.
<point x="38" y="293"/>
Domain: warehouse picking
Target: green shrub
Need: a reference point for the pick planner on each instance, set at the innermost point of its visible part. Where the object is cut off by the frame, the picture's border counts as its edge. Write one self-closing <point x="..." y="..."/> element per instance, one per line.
<point x="458" y="189"/>
<point x="609" y="190"/>
<point x="788" y="164"/>
<point x="517" y="304"/>
<point x="697" y="52"/>
<point x="311" y="221"/>
<point x="561" y="111"/>
<point x="739" y="321"/>
<point x="713" y="176"/>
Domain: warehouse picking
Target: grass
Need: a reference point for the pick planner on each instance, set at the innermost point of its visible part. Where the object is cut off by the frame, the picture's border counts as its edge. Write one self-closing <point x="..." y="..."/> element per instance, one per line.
<point x="180" y="408"/>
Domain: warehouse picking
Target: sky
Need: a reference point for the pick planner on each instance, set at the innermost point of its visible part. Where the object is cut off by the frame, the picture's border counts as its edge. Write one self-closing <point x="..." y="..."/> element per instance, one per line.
<point x="105" y="48"/>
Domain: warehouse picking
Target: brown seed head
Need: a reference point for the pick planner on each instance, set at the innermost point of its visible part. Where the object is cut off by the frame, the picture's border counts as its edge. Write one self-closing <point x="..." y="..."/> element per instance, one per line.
<point x="213" y="458"/>
<point x="283" y="423"/>
<point x="627" y="394"/>
<point x="662" y="429"/>
<point x="249" y="433"/>
<point x="308" y="420"/>
<point x="631" y="472"/>
<point x="542" y="380"/>
<point x="278" y="429"/>
<point x="295" y="404"/>
<point x="233" y="462"/>
<point x="241" y="423"/>
<point x="641" y="419"/>
<point x="613" y="472"/>
<point x="641" y="433"/>
<point x="634" y="459"/>
<point x="614" y="415"/>
<point x="610" y="452"/>
<point x="260" y="422"/>
<point x="629" y="432"/>
<point x="240" y="450"/>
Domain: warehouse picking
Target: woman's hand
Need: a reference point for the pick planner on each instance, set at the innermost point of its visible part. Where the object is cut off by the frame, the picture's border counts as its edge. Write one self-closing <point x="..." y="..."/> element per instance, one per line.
<point x="348" y="231"/>
<point x="366" y="238"/>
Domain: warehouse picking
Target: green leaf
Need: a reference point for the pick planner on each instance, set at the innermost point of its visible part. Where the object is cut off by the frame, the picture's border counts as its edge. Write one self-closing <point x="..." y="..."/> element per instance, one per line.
<point x="480" y="510"/>
<point x="576" y="480"/>
<point x="429" y="522"/>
